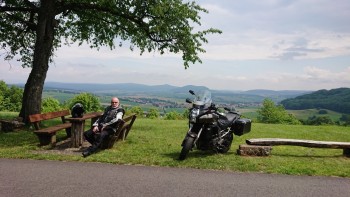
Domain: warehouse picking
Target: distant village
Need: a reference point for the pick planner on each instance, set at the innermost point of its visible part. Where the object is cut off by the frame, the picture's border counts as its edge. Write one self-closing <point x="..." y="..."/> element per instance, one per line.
<point x="164" y="104"/>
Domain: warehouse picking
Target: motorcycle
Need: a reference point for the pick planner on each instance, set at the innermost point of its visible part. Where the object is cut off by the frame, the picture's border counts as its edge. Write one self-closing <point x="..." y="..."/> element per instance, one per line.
<point x="210" y="129"/>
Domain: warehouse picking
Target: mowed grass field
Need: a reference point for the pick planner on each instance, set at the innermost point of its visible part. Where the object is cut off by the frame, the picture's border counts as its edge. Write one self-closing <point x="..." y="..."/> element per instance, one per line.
<point x="157" y="143"/>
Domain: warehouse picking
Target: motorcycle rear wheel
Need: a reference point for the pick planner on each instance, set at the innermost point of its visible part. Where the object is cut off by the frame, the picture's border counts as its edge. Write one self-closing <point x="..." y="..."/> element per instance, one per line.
<point x="187" y="146"/>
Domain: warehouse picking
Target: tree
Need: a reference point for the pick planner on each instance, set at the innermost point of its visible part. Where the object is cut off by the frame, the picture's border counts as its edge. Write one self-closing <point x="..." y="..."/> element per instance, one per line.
<point x="35" y="29"/>
<point x="173" y="115"/>
<point x="345" y="118"/>
<point x="185" y="114"/>
<point x="319" y="120"/>
<point x="137" y="110"/>
<point x="10" y="97"/>
<point x="275" y="114"/>
<point x="50" y="104"/>
<point x="90" y="102"/>
<point x="153" y="113"/>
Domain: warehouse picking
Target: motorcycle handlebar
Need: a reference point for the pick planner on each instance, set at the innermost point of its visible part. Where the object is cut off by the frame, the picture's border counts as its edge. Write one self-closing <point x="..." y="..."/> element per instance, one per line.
<point x="213" y="110"/>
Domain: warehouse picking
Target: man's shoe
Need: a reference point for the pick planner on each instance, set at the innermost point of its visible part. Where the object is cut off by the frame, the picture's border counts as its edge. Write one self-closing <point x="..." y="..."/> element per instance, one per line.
<point x="86" y="153"/>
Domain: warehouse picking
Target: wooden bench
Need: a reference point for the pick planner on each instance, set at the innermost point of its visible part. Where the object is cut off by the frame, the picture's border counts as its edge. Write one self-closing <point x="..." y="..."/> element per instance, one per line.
<point x="48" y="135"/>
<point x="256" y="145"/>
<point x="123" y="128"/>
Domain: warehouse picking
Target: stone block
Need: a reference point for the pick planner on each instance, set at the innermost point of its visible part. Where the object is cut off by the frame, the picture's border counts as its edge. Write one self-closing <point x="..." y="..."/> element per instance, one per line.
<point x="254" y="150"/>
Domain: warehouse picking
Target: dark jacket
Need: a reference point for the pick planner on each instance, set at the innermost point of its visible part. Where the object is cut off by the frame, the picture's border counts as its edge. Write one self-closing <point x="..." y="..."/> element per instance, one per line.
<point x="110" y="117"/>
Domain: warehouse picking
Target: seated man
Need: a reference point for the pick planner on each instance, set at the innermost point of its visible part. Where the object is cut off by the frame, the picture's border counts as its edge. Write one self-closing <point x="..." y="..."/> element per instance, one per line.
<point x="105" y="125"/>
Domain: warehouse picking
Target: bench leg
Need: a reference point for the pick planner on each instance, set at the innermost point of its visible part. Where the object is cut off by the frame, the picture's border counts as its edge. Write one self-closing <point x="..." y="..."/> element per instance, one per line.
<point x="46" y="139"/>
<point x="122" y="134"/>
<point x="346" y="152"/>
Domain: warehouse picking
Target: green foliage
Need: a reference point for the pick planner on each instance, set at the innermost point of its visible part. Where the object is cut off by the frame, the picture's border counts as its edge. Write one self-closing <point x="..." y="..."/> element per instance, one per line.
<point x="10" y="97"/>
<point x="153" y="113"/>
<point x="164" y="26"/>
<point x="323" y="111"/>
<point x="60" y="95"/>
<point x="173" y="115"/>
<point x="275" y="114"/>
<point x="335" y="99"/>
<point x="90" y="102"/>
<point x="345" y="118"/>
<point x="137" y="110"/>
<point x="319" y="120"/>
<point x="186" y="114"/>
<point x="34" y="30"/>
<point x="50" y="104"/>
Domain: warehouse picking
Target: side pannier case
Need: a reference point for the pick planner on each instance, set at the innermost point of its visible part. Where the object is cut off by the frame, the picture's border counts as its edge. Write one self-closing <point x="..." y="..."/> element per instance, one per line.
<point x="241" y="126"/>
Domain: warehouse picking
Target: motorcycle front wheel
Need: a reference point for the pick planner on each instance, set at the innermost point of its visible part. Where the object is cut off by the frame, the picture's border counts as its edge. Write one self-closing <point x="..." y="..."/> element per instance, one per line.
<point x="186" y="147"/>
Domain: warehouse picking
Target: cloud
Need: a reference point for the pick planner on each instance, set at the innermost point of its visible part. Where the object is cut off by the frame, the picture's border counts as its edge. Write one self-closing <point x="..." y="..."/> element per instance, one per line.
<point x="318" y="74"/>
<point x="251" y="29"/>
<point x="299" y="48"/>
<point x="272" y="44"/>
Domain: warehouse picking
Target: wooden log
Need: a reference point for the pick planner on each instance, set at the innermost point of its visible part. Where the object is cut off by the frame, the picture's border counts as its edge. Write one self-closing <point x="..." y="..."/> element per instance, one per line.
<point x="295" y="142"/>
<point x="252" y="150"/>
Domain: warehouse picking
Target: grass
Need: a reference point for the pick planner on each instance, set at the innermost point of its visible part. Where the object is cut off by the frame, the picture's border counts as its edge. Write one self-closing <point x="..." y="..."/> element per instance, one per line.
<point x="157" y="143"/>
<point x="305" y="114"/>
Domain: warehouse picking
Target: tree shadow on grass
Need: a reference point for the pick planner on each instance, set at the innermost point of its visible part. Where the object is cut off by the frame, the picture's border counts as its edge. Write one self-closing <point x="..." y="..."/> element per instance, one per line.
<point x="195" y="154"/>
<point x="17" y="138"/>
<point x="28" y="138"/>
<point x="308" y="156"/>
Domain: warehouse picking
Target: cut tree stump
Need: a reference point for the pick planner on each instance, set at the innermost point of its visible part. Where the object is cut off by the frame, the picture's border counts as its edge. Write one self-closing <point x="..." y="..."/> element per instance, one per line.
<point x="251" y="150"/>
<point x="11" y="125"/>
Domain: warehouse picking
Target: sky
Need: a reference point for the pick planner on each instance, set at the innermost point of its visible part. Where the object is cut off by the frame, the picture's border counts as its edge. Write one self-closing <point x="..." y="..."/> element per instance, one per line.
<point x="265" y="44"/>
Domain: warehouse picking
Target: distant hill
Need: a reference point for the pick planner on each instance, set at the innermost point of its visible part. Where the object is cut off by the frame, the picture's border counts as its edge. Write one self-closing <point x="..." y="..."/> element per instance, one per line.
<point x="335" y="99"/>
<point x="169" y="91"/>
<point x="267" y="93"/>
<point x="102" y="88"/>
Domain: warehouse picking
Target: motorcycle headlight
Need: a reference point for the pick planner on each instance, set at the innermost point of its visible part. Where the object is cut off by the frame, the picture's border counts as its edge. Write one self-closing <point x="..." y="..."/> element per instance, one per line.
<point x="194" y="113"/>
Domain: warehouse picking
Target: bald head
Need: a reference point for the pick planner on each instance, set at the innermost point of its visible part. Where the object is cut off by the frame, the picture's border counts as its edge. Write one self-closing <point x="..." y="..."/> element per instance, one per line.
<point x="114" y="102"/>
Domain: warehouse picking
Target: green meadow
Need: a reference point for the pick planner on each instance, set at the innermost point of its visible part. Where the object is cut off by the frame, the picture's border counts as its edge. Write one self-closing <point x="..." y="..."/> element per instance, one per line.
<point x="155" y="142"/>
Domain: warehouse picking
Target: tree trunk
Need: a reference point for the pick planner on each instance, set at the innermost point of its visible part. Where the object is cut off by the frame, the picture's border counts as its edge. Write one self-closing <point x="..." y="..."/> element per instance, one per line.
<point x="31" y="103"/>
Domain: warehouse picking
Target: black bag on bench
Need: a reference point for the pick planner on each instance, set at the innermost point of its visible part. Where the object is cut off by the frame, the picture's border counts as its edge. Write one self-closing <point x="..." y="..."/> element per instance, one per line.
<point x="77" y="110"/>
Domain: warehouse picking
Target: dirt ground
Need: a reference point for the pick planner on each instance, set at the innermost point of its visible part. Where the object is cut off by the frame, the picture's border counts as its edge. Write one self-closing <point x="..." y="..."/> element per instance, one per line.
<point x="63" y="147"/>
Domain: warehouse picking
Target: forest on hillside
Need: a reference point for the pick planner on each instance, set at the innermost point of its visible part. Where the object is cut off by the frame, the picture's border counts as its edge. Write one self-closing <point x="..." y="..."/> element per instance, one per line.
<point x="335" y="99"/>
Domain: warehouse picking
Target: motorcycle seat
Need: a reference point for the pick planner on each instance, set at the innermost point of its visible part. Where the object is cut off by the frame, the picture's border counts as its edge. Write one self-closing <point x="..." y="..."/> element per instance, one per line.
<point x="227" y="120"/>
<point x="231" y="117"/>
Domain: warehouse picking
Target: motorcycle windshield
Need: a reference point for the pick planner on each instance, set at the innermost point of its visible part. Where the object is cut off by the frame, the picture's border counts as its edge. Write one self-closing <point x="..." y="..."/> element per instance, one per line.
<point x="203" y="99"/>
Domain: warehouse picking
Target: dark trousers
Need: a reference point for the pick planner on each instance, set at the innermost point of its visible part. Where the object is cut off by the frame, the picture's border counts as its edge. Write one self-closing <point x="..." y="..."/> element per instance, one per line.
<point x="96" y="139"/>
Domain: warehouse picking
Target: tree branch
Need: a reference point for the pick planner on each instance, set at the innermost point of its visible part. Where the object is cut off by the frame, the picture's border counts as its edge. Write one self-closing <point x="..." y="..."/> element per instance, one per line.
<point x="31" y="25"/>
<point x="84" y="6"/>
<point x="17" y="9"/>
<point x="66" y="7"/>
<point x="30" y="4"/>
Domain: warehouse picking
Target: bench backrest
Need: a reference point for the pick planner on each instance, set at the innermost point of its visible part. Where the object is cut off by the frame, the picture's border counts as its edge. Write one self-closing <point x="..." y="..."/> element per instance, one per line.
<point x="36" y="118"/>
<point x="125" y="126"/>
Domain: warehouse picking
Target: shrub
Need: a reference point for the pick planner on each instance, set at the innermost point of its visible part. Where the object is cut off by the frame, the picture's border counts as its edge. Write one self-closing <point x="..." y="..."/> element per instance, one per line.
<point x="137" y="110"/>
<point x="322" y="111"/>
<point x="153" y="113"/>
<point x="320" y="120"/>
<point x="173" y="115"/>
<point x="275" y="114"/>
<point x="90" y="102"/>
<point x="10" y="98"/>
<point x="50" y="104"/>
